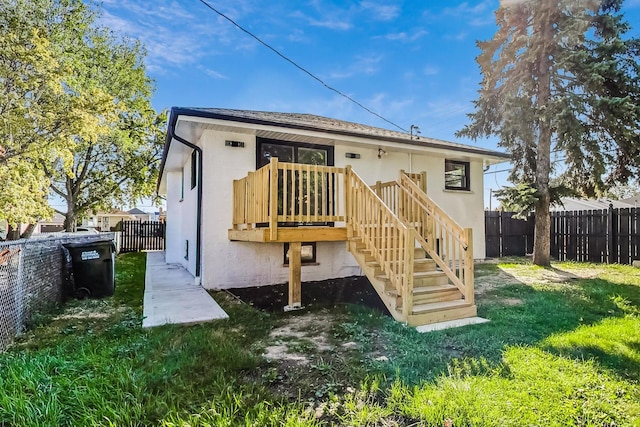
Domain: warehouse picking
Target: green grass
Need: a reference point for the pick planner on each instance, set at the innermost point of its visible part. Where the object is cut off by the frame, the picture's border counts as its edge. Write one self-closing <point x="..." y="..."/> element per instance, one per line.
<point x="556" y="352"/>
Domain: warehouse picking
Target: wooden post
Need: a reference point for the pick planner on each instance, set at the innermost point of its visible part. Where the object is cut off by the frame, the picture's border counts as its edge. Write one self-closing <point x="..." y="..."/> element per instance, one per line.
<point x="348" y="200"/>
<point x="423" y="181"/>
<point x="468" y="266"/>
<point x="295" y="277"/>
<point x="407" y="277"/>
<point x="273" y="198"/>
<point x="379" y="189"/>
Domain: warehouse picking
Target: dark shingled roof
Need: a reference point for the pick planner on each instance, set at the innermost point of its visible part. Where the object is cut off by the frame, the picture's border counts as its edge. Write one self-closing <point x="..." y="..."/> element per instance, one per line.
<point x="325" y="124"/>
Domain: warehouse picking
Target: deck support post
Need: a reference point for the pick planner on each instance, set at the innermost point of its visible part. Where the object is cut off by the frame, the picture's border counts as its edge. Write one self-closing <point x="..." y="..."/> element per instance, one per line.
<point x="295" y="277"/>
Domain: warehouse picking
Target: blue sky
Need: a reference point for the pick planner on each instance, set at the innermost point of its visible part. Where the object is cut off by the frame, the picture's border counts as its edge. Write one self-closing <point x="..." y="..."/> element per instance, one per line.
<point x="411" y="61"/>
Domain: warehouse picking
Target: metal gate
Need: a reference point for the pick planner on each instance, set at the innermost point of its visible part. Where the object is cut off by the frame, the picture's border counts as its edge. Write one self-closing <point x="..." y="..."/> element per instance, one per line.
<point x="142" y="236"/>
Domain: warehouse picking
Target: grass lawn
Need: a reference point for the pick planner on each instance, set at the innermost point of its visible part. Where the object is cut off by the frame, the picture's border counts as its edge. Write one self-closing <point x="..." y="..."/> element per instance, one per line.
<point x="562" y="348"/>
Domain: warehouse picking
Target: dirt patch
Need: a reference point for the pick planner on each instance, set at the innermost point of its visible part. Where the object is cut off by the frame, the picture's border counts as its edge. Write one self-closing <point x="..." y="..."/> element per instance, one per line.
<point x="325" y="293"/>
<point x="511" y="301"/>
<point x="301" y="335"/>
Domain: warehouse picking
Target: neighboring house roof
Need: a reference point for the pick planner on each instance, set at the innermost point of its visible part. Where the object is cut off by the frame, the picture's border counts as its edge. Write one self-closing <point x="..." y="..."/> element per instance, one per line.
<point x="57" y="219"/>
<point x="136" y="211"/>
<point x="115" y="212"/>
<point x="574" y="204"/>
<point x="633" y="200"/>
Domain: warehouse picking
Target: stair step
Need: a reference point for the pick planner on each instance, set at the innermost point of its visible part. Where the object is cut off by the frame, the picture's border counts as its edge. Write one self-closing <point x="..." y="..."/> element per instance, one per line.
<point x="429" y="278"/>
<point x="430" y="294"/>
<point x="419" y="265"/>
<point x="425" y="318"/>
<point x="439" y="306"/>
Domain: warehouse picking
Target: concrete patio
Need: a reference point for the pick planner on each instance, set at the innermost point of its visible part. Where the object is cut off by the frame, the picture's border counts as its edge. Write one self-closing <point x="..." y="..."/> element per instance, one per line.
<point x="171" y="297"/>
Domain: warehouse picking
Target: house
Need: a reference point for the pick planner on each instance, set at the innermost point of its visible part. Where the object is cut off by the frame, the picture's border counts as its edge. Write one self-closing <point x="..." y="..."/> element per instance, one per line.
<point x="55" y="224"/>
<point x="259" y="198"/>
<point x="141" y="215"/>
<point x="576" y="204"/>
<point x="105" y="221"/>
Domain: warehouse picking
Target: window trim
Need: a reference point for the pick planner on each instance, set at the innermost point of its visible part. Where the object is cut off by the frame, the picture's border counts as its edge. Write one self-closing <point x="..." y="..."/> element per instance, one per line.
<point x="312" y="261"/>
<point x="467" y="178"/>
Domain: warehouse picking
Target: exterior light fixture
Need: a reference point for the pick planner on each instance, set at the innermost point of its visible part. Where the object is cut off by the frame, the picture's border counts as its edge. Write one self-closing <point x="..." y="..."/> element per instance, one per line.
<point x="381" y="152"/>
<point x="234" y="144"/>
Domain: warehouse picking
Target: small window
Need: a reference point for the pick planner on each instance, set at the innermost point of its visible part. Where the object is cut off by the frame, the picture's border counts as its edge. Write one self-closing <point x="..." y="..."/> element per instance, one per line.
<point x="182" y="184"/>
<point x="194" y="169"/>
<point x="456" y="175"/>
<point x="307" y="255"/>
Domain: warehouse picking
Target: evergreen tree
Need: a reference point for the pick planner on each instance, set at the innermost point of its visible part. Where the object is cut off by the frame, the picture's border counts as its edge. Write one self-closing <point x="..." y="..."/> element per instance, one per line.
<point x="560" y="78"/>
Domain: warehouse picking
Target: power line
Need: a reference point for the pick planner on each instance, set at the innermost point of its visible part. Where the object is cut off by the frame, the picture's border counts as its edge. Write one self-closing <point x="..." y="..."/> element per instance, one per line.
<point x="304" y="70"/>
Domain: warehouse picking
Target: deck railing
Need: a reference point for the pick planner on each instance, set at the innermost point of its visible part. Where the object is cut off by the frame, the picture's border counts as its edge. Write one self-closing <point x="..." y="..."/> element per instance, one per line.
<point x="288" y="193"/>
<point x="383" y="234"/>
<point x="446" y="242"/>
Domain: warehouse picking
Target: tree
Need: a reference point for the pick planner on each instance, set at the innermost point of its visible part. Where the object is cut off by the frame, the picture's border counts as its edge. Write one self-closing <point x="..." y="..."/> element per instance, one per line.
<point x="31" y="83"/>
<point x="558" y="77"/>
<point x="76" y="110"/>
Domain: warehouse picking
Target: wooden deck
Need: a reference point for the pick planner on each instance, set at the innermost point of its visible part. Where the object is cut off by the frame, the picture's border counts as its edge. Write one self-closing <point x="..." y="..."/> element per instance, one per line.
<point x="290" y="234"/>
<point x="416" y="257"/>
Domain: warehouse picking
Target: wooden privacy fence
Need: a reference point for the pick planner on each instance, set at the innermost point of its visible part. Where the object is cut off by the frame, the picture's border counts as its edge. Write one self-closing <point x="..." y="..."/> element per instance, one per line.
<point x="142" y="236"/>
<point x="607" y="235"/>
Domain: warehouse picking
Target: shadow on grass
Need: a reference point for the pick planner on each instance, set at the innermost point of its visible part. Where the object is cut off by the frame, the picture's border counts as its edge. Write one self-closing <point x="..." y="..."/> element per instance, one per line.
<point x="521" y="314"/>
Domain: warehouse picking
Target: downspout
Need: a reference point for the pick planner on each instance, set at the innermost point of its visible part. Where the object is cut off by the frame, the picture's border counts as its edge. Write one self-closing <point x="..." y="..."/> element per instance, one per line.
<point x="172" y="134"/>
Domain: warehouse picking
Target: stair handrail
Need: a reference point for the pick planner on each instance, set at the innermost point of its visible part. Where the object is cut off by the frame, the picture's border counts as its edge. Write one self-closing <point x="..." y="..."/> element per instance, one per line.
<point x="389" y="240"/>
<point x="439" y="235"/>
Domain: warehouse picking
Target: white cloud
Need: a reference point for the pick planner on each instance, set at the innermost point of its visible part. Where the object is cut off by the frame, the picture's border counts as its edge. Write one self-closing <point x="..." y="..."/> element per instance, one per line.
<point x="382" y="12"/>
<point x="406" y="37"/>
<point x="212" y="73"/>
<point x="431" y="70"/>
<point x="363" y="65"/>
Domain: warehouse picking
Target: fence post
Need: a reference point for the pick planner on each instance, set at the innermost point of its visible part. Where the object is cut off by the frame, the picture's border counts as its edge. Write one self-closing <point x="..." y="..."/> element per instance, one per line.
<point x="610" y="231"/>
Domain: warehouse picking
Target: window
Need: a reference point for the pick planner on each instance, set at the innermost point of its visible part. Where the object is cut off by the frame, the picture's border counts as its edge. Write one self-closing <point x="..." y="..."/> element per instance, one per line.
<point x="291" y="152"/>
<point x="311" y="154"/>
<point x="182" y="184"/>
<point x="307" y="255"/>
<point x="456" y="175"/>
<point x="194" y="168"/>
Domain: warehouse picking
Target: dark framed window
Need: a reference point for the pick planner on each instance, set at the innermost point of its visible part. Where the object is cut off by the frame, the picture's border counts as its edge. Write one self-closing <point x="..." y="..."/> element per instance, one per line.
<point x="194" y="169"/>
<point x="292" y="152"/>
<point x="307" y="253"/>
<point x="456" y="175"/>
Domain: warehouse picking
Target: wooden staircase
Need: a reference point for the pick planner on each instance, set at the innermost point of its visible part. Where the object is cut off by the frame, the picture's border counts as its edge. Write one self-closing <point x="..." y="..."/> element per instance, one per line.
<point x="434" y="298"/>
<point x="431" y="289"/>
<point x="417" y="258"/>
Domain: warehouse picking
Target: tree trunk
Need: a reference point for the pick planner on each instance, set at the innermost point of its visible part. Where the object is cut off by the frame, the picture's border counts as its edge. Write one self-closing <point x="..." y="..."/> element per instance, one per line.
<point x="28" y="231"/>
<point x="70" y="218"/>
<point x="13" y="233"/>
<point x="542" y="236"/>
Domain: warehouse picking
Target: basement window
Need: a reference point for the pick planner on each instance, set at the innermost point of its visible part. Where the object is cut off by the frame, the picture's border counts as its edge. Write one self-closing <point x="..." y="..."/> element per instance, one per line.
<point x="456" y="175"/>
<point x="307" y="255"/>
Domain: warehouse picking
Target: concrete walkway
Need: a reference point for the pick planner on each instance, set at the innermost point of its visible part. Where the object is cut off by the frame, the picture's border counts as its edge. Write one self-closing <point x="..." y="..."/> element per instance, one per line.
<point x="170" y="296"/>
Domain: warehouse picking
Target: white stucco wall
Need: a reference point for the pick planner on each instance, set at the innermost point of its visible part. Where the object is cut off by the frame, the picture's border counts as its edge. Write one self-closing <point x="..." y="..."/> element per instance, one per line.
<point x="227" y="264"/>
<point x="181" y="218"/>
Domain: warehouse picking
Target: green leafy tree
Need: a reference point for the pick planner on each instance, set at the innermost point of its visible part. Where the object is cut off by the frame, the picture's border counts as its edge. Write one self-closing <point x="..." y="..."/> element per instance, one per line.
<point x="559" y="76"/>
<point x="32" y="122"/>
<point x="75" y="112"/>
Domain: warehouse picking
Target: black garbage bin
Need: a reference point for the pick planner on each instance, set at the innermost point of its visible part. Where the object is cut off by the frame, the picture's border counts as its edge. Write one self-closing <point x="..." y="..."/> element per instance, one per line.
<point x="93" y="268"/>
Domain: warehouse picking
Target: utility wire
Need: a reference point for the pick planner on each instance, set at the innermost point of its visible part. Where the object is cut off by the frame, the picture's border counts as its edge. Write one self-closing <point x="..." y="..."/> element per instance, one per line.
<point x="304" y="70"/>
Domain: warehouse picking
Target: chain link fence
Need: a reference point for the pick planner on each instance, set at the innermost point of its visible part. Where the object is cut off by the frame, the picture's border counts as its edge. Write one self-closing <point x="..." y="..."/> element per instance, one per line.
<point x="32" y="277"/>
